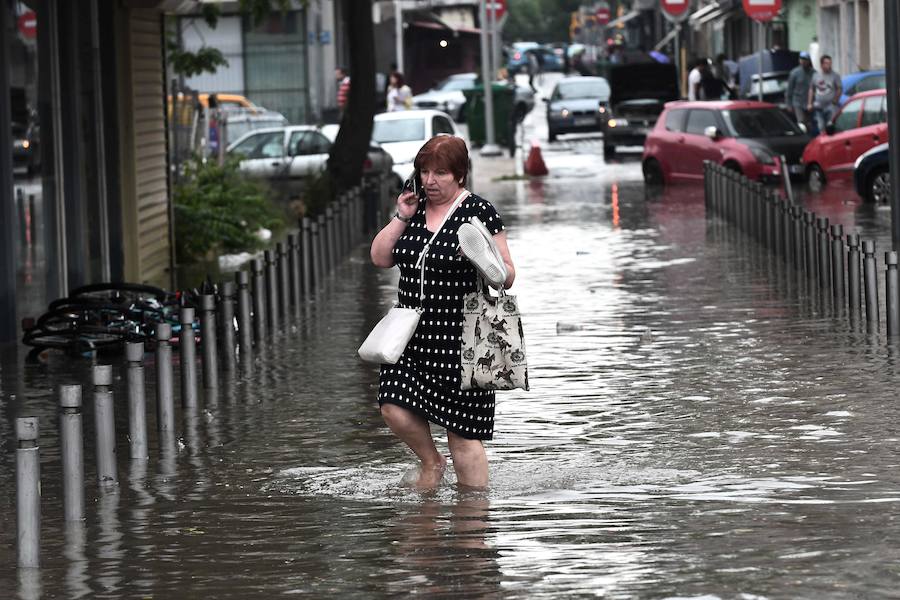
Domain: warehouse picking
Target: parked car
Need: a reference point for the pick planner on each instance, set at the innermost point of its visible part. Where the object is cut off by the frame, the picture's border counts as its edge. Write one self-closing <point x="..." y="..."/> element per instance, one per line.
<point x="575" y="105"/>
<point x="871" y="175"/>
<point x="776" y="66"/>
<point x="517" y="61"/>
<point x="747" y="136"/>
<point x="638" y="94"/>
<point x="285" y="156"/>
<point x="26" y="147"/>
<point x="774" y="86"/>
<point x="864" y="81"/>
<point x="448" y="96"/>
<point x="858" y="126"/>
<point x="240" y="122"/>
<point x="403" y="133"/>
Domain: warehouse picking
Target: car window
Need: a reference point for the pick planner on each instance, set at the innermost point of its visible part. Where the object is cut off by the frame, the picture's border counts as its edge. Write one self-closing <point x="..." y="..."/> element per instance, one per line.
<point x="570" y="90"/>
<point x="398" y="130"/>
<point x="308" y="142"/>
<point x="262" y="145"/>
<point x="441" y="125"/>
<point x="675" y="120"/>
<point x="874" y="111"/>
<point x="699" y="120"/>
<point x="760" y="123"/>
<point x="849" y="116"/>
<point x="874" y="82"/>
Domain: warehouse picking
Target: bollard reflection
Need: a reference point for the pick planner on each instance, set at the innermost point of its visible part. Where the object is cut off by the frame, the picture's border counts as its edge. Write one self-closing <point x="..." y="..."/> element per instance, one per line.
<point x="77" y="577"/>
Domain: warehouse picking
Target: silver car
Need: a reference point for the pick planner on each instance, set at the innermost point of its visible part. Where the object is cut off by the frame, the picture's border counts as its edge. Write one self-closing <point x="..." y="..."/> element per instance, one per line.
<point x="285" y="156"/>
<point x="448" y="97"/>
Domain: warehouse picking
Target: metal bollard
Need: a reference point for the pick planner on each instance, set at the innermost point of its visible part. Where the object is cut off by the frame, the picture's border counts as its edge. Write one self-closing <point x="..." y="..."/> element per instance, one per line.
<point x="797" y="233"/>
<point x="105" y="425"/>
<point x="892" y="291"/>
<point x="314" y="256"/>
<point x="259" y="299"/>
<point x="809" y="234"/>
<point x="244" y="319"/>
<point x="837" y="264"/>
<point x="853" y="276"/>
<point x="188" y="350"/>
<point x="271" y="289"/>
<point x="346" y="224"/>
<point x="305" y="254"/>
<point x="334" y="239"/>
<point x="296" y="275"/>
<point x="870" y="283"/>
<point x="226" y="323"/>
<point x="787" y="244"/>
<point x="137" y="400"/>
<point x="777" y="230"/>
<point x="284" y="285"/>
<point x="322" y="247"/>
<point x="208" y="341"/>
<point x="824" y="254"/>
<point x="165" y="381"/>
<point x="28" y="493"/>
<point x="71" y="450"/>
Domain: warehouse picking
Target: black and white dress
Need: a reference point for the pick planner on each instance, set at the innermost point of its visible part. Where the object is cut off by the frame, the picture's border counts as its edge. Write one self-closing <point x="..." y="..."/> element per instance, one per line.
<point x="426" y="379"/>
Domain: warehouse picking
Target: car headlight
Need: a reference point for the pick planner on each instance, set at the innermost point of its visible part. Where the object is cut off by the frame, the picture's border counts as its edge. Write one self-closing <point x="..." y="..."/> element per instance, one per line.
<point x="564" y="113"/>
<point x="763" y="156"/>
<point x="618" y="123"/>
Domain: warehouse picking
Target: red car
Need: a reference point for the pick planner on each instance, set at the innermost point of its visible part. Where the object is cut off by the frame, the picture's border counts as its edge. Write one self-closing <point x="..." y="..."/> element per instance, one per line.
<point x="747" y="136"/>
<point x="860" y="125"/>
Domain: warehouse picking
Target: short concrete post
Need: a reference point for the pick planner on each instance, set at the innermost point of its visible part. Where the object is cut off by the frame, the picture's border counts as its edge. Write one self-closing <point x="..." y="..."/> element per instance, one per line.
<point x="853" y="276"/>
<point x="208" y="341"/>
<point x="284" y="284"/>
<point x="188" y="349"/>
<point x="71" y="450"/>
<point x="226" y="323"/>
<point x="837" y="264"/>
<point x="306" y="268"/>
<point x="259" y="300"/>
<point x="137" y="401"/>
<point x="244" y="319"/>
<point x="165" y="380"/>
<point x="28" y="493"/>
<point x="105" y="426"/>
<point x="271" y="290"/>
<point x="870" y="284"/>
<point x="892" y="291"/>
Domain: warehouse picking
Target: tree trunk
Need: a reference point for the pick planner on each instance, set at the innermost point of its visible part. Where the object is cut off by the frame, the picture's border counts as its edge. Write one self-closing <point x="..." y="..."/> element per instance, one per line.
<point x="345" y="161"/>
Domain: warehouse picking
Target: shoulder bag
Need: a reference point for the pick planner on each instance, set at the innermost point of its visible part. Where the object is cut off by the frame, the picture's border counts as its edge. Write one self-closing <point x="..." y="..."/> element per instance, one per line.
<point x="387" y="341"/>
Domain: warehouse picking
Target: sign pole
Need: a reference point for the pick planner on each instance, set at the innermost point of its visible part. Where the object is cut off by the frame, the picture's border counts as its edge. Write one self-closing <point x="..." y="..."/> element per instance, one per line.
<point x="490" y="147"/>
<point x="892" y="60"/>
<point x="762" y="45"/>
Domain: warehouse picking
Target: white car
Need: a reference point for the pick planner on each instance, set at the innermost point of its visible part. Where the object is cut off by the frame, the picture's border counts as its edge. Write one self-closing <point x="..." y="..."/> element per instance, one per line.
<point x="285" y="156"/>
<point x="403" y="133"/>
<point x="448" y="96"/>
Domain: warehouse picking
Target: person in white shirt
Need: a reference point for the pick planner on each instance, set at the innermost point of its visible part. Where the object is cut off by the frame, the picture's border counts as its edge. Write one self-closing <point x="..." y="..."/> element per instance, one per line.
<point x="399" y="95"/>
<point x="694" y="78"/>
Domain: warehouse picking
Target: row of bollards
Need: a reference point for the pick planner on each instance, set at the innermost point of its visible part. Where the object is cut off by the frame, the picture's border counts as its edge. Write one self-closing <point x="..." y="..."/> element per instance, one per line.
<point x="844" y="271"/>
<point x="231" y="321"/>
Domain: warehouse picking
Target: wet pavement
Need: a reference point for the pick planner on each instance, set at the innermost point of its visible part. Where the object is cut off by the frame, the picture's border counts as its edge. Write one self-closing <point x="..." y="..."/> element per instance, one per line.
<point x="696" y="428"/>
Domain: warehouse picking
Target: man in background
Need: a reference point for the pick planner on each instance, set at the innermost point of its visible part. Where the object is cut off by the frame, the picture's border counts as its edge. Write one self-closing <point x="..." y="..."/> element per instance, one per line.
<point x="824" y="94"/>
<point x="796" y="95"/>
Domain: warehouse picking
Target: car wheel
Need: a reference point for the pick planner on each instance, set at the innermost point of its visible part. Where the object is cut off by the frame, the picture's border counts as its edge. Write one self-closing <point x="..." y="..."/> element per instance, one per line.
<point x="733" y="166"/>
<point x="815" y="179"/>
<point x="608" y="152"/>
<point x="653" y="174"/>
<point x="879" y="188"/>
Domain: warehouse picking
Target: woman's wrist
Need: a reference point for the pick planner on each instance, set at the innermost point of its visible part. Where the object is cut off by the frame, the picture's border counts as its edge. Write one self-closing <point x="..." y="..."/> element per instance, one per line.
<point x="406" y="220"/>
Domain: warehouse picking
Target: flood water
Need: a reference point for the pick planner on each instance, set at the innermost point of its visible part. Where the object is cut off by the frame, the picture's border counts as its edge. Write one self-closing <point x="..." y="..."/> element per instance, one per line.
<point x="694" y="430"/>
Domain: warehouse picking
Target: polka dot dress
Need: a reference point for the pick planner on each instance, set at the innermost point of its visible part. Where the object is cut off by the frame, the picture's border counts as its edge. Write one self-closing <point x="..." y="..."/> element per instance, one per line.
<point x="426" y="379"/>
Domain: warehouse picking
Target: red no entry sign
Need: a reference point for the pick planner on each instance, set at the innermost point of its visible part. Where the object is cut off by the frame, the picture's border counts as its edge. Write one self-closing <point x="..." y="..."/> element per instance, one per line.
<point x="602" y="14"/>
<point x="28" y="25"/>
<point x="762" y="10"/>
<point x="675" y="10"/>
<point x="498" y="7"/>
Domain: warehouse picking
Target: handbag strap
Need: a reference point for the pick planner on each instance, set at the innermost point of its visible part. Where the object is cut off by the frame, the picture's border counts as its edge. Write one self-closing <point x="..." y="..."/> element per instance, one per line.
<point x="421" y="261"/>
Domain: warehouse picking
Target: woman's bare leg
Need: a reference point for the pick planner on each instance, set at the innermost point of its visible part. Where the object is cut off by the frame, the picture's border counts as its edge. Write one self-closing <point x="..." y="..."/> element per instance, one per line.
<point x="415" y="432"/>
<point x="469" y="461"/>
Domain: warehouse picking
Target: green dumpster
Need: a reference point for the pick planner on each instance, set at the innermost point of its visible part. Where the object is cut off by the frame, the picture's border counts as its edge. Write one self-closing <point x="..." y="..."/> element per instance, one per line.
<point x="504" y="96"/>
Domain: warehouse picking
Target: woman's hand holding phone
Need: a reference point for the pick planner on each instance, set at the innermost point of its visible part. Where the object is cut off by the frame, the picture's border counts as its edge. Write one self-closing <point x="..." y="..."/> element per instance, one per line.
<point x="407" y="201"/>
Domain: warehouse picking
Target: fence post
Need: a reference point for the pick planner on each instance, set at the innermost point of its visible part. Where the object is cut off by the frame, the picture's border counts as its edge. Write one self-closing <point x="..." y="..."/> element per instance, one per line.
<point x="137" y="400"/>
<point x="797" y="227"/>
<point x="71" y="450"/>
<point x="271" y="290"/>
<point x="837" y="264"/>
<point x="259" y="300"/>
<point x="305" y="253"/>
<point x="284" y="285"/>
<point x="165" y="380"/>
<point x="315" y="257"/>
<point x="853" y="290"/>
<point x="208" y="344"/>
<point x="28" y="493"/>
<point x="870" y="280"/>
<point x="296" y="274"/>
<point x="244" y="318"/>
<point x="892" y="291"/>
<point x="809" y="219"/>
<point x="824" y="254"/>
<point x="226" y="322"/>
<point x="104" y="423"/>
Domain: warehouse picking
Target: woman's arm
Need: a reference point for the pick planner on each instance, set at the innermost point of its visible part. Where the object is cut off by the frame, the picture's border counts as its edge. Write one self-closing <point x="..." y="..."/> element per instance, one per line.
<point x="383" y="244"/>
<point x="500" y="240"/>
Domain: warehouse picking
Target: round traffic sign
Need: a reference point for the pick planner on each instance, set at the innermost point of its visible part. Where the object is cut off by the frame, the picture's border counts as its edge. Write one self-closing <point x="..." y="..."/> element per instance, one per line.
<point x="27" y="24"/>
<point x="498" y="7"/>
<point x="675" y="10"/>
<point x="762" y="10"/>
<point x="603" y="15"/>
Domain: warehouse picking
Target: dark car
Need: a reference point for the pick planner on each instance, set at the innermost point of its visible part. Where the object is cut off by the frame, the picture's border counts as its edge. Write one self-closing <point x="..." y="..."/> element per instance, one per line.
<point x="749" y="137"/>
<point x="575" y="105"/>
<point x="871" y="175"/>
<point x="776" y="65"/>
<point x="637" y="97"/>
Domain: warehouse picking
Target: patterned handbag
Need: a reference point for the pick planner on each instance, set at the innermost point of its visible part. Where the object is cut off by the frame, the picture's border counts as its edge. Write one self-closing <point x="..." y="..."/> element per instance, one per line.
<point x="493" y="343"/>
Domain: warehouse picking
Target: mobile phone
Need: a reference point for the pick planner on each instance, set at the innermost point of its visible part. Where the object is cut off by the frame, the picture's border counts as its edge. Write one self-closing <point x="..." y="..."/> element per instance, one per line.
<point x="413" y="184"/>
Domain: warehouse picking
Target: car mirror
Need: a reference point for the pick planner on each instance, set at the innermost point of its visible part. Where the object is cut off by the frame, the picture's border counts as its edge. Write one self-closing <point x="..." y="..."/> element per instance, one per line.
<point x="829" y="129"/>
<point x="803" y="127"/>
<point x="712" y="132"/>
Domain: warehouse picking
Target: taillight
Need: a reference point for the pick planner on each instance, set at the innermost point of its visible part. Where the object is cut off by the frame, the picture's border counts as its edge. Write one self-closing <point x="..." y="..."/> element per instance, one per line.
<point x="517" y="55"/>
<point x="367" y="164"/>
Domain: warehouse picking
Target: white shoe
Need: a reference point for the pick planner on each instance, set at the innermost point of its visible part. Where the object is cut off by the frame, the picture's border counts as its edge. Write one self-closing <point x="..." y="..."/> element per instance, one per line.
<point x="477" y="244"/>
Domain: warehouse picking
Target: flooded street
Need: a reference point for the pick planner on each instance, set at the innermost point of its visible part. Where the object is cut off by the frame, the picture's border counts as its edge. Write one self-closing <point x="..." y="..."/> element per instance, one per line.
<point x="694" y="430"/>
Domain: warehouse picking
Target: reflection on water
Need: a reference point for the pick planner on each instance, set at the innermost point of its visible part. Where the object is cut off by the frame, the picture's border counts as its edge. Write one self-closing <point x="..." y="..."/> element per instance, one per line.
<point x="697" y="427"/>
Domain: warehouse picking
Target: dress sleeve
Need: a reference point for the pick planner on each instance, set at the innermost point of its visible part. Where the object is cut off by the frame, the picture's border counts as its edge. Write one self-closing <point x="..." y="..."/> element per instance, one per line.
<point x="488" y="215"/>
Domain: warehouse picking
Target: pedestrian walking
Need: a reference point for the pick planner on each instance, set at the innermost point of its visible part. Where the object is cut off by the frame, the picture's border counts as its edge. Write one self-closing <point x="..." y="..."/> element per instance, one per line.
<point x="824" y="94"/>
<point x="343" y="87"/>
<point x="399" y="95"/>
<point x="796" y="95"/>
<point x="534" y="68"/>
<point x="424" y="386"/>
<point x="695" y="77"/>
<point x="726" y="71"/>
